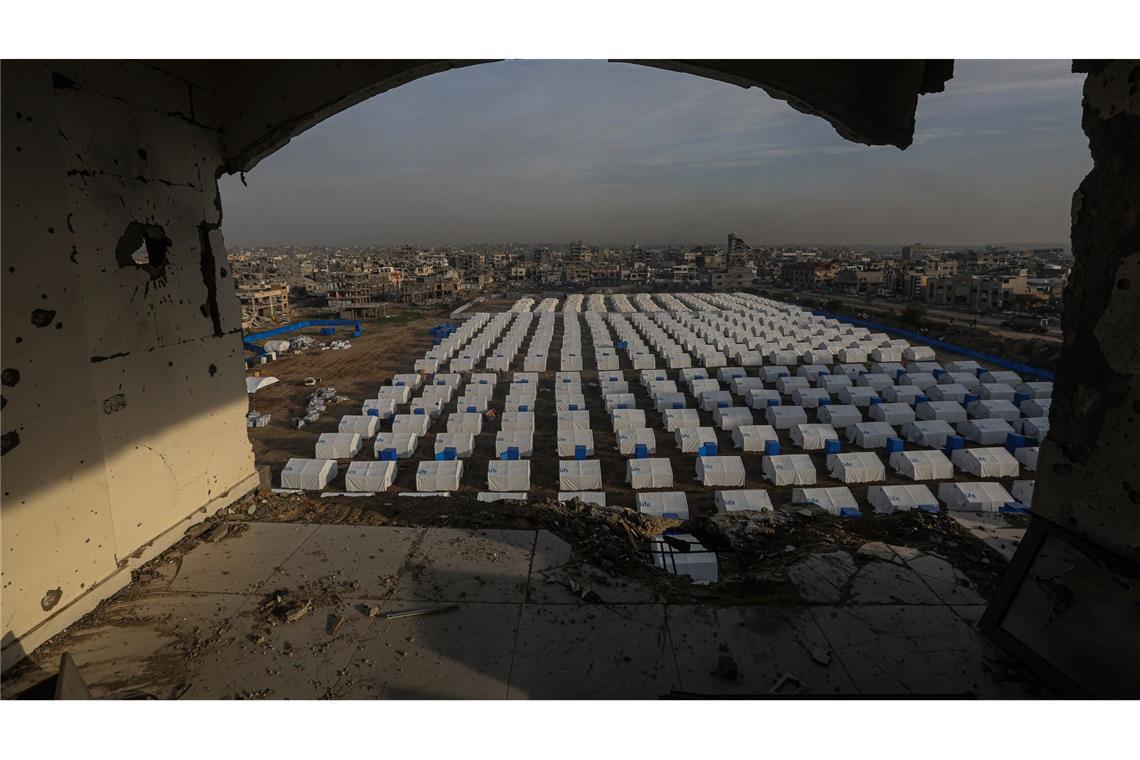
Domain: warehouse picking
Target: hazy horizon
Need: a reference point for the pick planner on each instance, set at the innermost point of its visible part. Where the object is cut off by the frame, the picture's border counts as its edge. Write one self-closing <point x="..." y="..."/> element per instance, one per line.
<point x="612" y="153"/>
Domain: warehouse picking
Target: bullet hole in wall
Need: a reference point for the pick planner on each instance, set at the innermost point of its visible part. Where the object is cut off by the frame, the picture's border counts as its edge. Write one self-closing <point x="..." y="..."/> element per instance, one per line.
<point x="10" y="377"/>
<point x="42" y="317"/>
<point x="144" y="246"/>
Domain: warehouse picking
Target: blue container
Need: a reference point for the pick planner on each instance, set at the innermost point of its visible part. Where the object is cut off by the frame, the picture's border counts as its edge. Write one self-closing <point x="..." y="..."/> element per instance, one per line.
<point x="899" y="374"/>
<point x="771" y="448"/>
<point x="524" y="408"/>
<point x="722" y="405"/>
<point x="449" y="453"/>
<point x="472" y="409"/>
<point x="580" y="452"/>
<point x="678" y="405"/>
<point x="831" y="446"/>
<point x="512" y="453"/>
<point x="1014" y="508"/>
<point x="970" y="398"/>
<point x="641" y="451"/>
<point x="1013" y="442"/>
<point x="621" y="345"/>
<point x="773" y="402"/>
<point x="876" y="400"/>
<point x="388" y="455"/>
<point x="980" y="371"/>
<point x="823" y="373"/>
<point x="938" y="373"/>
<point x="707" y="450"/>
<point x="573" y="407"/>
<point x="373" y="412"/>
<point x="920" y="399"/>
<point x="1020" y="398"/>
<point x="849" y="512"/>
<point x="419" y="410"/>
<point x="894" y="444"/>
<point x="825" y="402"/>
<point x="954" y="442"/>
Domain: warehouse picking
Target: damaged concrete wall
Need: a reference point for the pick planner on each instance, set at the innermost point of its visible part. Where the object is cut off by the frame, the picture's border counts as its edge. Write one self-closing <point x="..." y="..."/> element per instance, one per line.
<point x="124" y="395"/>
<point x="1089" y="477"/>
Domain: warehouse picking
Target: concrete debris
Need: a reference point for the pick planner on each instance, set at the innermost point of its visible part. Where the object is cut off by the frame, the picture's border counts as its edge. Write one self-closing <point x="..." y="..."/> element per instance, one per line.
<point x="877" y="550"/>
<point x="820" y="655"/>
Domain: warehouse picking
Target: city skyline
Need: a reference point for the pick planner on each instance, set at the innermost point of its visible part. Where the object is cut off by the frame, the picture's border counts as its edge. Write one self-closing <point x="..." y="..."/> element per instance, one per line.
<point x="533" y="151"/>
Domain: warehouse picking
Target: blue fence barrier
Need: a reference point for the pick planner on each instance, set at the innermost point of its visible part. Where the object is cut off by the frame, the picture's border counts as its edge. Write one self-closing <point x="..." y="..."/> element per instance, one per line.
<point x="1022" y="369"/>
<point x="249" y="342"/>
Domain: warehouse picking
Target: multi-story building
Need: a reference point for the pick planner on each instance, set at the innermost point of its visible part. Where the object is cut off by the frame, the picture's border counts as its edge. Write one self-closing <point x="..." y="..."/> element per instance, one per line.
<point x="734" y="278"/>
<point x="977" y="292"/>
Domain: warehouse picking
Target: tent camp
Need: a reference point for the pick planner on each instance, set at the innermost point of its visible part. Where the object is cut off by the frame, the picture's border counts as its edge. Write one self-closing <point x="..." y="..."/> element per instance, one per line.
<point x="597" y="498"/>
<point x="955" y="392"/>
<point x="856" y="467"/>
<point x="836" y="500"/>
<point x="810" y="398"/>
<point x="411" y="423"/>
<point x="991" y="462"/>
<point x="401" y="394"/>
<point x="690" y="440"/>
<point x="929" y="433"/>
<point x="337" y="446"/>
<point x="813" y="436"/>
<point x="788" y="470"/>
<point x="839" y="416"/>
<point x="664" y="401"/>
<point x="622" y="419"/>
<point x="721" y="471"/>
<point x="732" y="417"/>
<point x="710" y="400"/>
<point x="1027" y="457"/>
<point x="988" y="431"/>
<point x="1002" y="391"/>
<point x="401" y="445"/>
<point x="436" y="475"/>
<point x="649" y="473"/>
<point x="974" y="497"/>
<point x="1022" y="492"/>
<point x="463" y="444"/>
<point x="947" y="411"/>
<point x="570" y="440"/>
<point x="431" y="407"/>
<point x="893" y="414"/>
<point x="922" y="465"/>
<point x="858" y="396"/>
<point x="994" y="409"/>
<point x="362" y="424"/>
<point x="904" y="394"/>
<point x="465" y="422"/>
<point x="619" y="401"/>
<point x="573" y="420"/>
<point x="1033" y="428"/>
<point x="870" y="435"/>
<point x="381" y="408"/>
<point x="753" y="437"/>
<point x="762" y="398"/>
<point x="785" y="417"/>
<point x="508" y="475"/>
<point x="743" y="500"/>
<point x="523" y="440"/>
<point x="888" y="499"/>
<point x="308" y="474"/>
<point x="629" y="439"/>
<point x="580" y="474"/>
<point x="670" y="504"/>
<point x="369" y="477"/>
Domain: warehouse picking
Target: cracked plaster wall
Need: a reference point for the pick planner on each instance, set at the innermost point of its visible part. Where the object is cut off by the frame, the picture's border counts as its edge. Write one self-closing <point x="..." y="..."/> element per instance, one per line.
<point x="115" y="428"/>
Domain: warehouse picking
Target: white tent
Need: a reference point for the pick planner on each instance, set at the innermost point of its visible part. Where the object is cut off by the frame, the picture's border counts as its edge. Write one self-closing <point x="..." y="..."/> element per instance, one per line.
<point x="996" y="391"/>
<point x="1027" y="456"/>
<point x="672" y="504"/>
<point x="573" y="420"/>
<point x="918" y="354"/>
<point x="893" y="414"/>
<point x="404" y="444"/>
<point x="629" y="439"/>
<point x="964" y="365"/>
<point x="508" y="475"/>
<point x="870" y="435"/>
<point x="857" y="396"/>
<point x="813" y="436"/>
<point x="987" y="431"/>
<point x="730" y="418"/>
<point x="810" y="398"/>
<point x="523" y="440"/>
<point x="974" y="497"/>
<point x="623" y="419"/>
<point x="902" y="394"/>
<point x="955" y="392"/>
<point x="922" y="465"/>
<point x="619" y="401"/>
<point x="788" y="470"/>
<point x="888" y="499"/>
<point x="649" y="473"/>
<point x="254" y="384"/>
<point x="1038" y="407"/>
<point x="761" y="398"/>
<point x="435" y="475"/>
<point x="463" y="443"/>
<point x="993" y="462"/>
<point x="411" y="423"/>
<point x="1022" y="492"/>
<point x="398" y="393"/>
<point x="369" y="477"/>
<point x="785" y="417"/>
<point x="308" y="474"/>
<point x="839" y="416"/>
<point x="832" y="500"/>
<point x="337" y="446"/>
<point x="465" y="422"/>
<point x="690" y="440"/>
<point x="947" y="411"/>
<point x="597" y="498"/>
<point x="714" y="399"/>
<point x="1042" y="389"/>
<point x="502" y="496"/>
<point x="579" y="474"/>
<point x="431" y="407"/>
<point x="362" y="424"/>
<point x="753" y="437"/>
<point x="381" y="408"/>
<point x="665" y="400"/>
<point x="856" y="467"/>
<point x="993" y="409"/>
<point x="1001" y="376"/>
<point x="680" y="418"/>
<point x="518" y="422"/>
<point x="570" y="440"/>
<point x="721" y="471"/>
<point x="929" y="433"/>
<point x="743" y="500"/>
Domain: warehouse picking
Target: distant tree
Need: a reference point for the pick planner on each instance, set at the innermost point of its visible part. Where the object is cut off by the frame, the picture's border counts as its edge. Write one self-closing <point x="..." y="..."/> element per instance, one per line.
<point x="913" y="315"/>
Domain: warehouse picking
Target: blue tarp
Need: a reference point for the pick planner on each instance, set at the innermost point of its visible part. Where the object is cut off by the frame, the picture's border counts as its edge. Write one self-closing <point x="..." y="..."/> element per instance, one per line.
<point x="1021" y="369"/>
<point x="250" y="341"/>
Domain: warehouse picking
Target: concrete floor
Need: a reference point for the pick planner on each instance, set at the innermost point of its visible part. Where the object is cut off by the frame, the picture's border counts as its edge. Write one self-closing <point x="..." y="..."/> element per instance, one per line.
<point x="894" y="623"/>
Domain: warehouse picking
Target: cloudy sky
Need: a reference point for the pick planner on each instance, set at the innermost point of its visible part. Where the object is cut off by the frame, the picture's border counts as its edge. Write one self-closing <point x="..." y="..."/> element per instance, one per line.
<point x="552" y="151"/>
